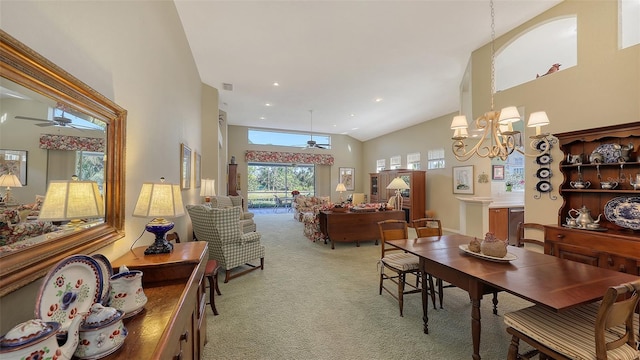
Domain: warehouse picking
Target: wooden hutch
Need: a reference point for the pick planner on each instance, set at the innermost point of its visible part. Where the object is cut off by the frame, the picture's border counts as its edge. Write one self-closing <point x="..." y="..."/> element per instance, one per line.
<point x="612" y="246"/>
<point x="414" y="199"/>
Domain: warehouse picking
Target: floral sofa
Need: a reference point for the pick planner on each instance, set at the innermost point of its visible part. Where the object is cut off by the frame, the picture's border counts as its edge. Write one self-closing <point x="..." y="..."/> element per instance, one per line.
<point x="16" y="225"/>
<point x="306" y="209"/>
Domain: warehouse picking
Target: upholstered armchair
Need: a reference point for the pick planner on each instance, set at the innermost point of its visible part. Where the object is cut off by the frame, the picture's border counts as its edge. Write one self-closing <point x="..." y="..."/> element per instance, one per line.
<point x="227" y="244"/>
<point x="246" y="218"/>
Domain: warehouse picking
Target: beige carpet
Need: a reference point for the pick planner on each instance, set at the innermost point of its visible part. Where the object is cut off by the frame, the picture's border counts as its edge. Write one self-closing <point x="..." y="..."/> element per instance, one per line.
<point x="311" y="302"/>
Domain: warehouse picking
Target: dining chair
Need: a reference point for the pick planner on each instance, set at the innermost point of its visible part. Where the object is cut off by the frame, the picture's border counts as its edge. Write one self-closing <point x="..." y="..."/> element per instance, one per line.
<point x="426" y="227"/>
<point x="521" y="239"/>
<point x="600" y="330"/>
<point x="399" y="262"/>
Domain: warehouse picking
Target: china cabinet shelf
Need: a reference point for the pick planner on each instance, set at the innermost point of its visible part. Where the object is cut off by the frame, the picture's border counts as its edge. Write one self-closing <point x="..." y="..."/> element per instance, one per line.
<point x="617" y="248"/>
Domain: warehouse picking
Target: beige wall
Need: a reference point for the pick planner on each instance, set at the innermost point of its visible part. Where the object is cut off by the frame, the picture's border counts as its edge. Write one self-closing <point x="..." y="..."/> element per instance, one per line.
<point x="347" y="152"/>
<point x="149" y="71"/>
<point x="603" y="89"/>
<point x="135" y="53"/>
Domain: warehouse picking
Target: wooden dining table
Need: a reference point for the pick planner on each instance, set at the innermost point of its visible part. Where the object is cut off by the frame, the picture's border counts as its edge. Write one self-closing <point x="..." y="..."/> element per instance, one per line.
<point x="546" y="280"/>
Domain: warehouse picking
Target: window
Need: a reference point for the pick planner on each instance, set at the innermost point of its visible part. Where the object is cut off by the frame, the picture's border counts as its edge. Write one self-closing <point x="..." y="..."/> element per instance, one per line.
<point x="381" y="165"/>
<point x="413" y="161"/>
<point x="435" y="159"/>
<point x="629" y="22"/>
<point x="282" y="138"/>
<point x="90" y="166"/>
<point x="534" y="52"/>
<point x="267" y="180"/>
<point x="395" y="162"/>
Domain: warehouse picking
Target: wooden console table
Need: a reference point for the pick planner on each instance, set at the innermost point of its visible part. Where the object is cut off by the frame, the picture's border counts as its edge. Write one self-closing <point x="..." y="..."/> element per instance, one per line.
<point x="173" y="322"/>
<point x="354" y="226"/>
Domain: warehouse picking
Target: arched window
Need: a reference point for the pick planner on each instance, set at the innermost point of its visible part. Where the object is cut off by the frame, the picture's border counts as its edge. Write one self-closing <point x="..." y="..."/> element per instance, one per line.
<point x="535" y="51"/>
<point x="629" y="22"/>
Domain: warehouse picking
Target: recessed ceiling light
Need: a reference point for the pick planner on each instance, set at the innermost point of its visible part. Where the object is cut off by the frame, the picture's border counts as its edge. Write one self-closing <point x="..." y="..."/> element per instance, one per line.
<point x="262" y="117"/>
<point x="352" y="115"/>
<point x="275" y="83"/>
<point x="267" y="104"/>
<point x="378" y="99"/>
<point x="354" y="128"/>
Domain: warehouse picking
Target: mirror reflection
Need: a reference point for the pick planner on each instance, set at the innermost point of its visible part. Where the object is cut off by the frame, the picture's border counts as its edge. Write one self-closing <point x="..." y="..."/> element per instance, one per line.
<point x="41" y="141"/>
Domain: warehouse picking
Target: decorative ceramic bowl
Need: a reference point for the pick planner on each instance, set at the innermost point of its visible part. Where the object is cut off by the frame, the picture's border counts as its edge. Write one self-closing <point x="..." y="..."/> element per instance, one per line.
<point x="102" y="333"/>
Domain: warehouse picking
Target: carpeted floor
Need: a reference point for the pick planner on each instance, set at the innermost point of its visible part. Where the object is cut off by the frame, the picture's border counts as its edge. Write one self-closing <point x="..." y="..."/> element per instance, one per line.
<point x="311" y="302"/>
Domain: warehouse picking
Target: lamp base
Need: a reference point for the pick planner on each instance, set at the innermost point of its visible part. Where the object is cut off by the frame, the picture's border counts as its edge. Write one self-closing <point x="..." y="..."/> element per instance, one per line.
<point x="161" y="245"/>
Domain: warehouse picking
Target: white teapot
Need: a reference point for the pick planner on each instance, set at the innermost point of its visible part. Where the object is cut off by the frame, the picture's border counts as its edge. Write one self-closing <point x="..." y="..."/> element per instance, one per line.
<point x="38" y="337"/>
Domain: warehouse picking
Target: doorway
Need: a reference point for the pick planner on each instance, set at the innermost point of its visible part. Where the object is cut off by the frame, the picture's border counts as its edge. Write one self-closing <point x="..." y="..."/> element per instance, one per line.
<point x="270" y="185"/>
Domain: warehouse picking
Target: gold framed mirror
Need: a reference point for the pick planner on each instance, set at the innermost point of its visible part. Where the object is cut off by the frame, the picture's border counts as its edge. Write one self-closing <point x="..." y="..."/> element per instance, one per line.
<point x="24" y="67"/>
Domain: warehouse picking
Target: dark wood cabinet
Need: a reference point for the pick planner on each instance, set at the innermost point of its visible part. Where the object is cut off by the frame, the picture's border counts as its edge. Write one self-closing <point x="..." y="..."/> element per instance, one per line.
<point x="613" y="247"/>
<point x="414" y="199"/>
<point x="173" y="322"/>
<point x="232" y="182"/>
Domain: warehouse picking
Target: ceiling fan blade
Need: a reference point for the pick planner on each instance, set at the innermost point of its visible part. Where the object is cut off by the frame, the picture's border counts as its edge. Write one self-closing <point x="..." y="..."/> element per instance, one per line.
<point x="48" y="123"/>
<point x="30" y="118"/>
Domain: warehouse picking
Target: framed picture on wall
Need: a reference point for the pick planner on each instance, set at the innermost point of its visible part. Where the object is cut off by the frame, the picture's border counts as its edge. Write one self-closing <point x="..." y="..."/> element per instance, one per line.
<point x="463" y="179"/>
<point x="347" y="177"/>
<point x="197" y="169"/>
<point x="498" y="172"/>
<point x="185" y="167"/>
<point x="14" y="162"/>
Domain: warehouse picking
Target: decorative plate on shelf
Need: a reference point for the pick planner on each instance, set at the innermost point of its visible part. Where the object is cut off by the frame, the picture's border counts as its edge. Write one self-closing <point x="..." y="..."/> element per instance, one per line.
<point x="624" y="211"/>
<point x="544" y="159"/>
<point x="611" y="152"/>
<point x="107" y="272"/>
<point x="543" y="186"/>
<point x="543" y="173"/>
<point x="543" y="145"/>
<point x="69" y="289"/>
<point x="506" y="258"/>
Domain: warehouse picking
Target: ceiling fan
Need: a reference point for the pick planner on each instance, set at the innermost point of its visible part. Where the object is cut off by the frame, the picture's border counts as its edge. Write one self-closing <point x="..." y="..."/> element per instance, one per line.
<point x="57" y="121"/>
<point x="312" y="144"/>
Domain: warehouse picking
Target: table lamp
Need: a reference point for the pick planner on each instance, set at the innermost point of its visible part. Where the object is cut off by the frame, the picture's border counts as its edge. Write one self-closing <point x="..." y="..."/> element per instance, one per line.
<point x="208" y="189"/>
<point x="398" y="184"/>
<point x="9" y="180"/>
<point x="72" y="200"/>
<point x="341" y="188"/>
<point x="159" y="201"/>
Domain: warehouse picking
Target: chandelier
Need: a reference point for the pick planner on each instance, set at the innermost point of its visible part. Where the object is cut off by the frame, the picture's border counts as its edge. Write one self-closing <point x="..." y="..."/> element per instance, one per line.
<point x="497" y="138"/>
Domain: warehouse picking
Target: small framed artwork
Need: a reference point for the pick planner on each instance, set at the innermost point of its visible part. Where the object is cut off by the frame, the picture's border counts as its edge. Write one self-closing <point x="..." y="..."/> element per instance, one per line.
<point x="14" y="162"/>
<point x="197" y="169"/>
<point x="463" y="179"/>
<point x="185" y="167"/>
<point x="498" y="172"/>
<point x="347" y="177"/>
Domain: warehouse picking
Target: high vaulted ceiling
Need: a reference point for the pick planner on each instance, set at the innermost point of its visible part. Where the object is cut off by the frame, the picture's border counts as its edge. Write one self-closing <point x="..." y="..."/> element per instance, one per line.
<point x="338" y="57"/>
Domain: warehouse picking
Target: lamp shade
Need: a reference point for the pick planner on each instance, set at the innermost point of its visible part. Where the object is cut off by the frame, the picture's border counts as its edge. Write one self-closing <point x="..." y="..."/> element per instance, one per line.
<point x="159" y="200"/>
<point x="538" y="118"/>
<point x="459" y="122"/>
<point x="10" y="180"/>
<point x="208" y="187"/>
<point x="340" y="187"/>
<point x="70" y="200"/>
<point x="398" y="184"/>
<point x="508" y="115"/>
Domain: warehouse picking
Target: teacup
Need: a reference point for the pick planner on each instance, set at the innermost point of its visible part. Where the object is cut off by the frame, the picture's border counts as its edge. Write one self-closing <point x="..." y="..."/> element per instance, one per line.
<point x="608" y="184"/>
<point x="571" y="222"/>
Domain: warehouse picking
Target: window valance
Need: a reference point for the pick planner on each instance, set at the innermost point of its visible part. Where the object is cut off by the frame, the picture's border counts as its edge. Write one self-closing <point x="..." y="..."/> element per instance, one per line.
<point x="73" y="143"/>
<point x="288" y="157"/>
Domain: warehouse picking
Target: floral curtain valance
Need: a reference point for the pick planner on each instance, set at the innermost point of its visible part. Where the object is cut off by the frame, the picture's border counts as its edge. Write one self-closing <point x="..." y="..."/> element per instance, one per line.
<point x="73" y="143"/>
<point x="288" y="157"/>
